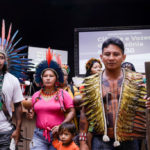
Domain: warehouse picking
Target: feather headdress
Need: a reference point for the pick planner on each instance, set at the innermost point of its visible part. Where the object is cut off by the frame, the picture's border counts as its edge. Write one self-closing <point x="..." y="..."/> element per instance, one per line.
<point x="16" y="64"/>
<point x="89" y="63"/>
<point x="66" y="67"/>
<point x="48" y="64"/>
<point x="63" y="66"/>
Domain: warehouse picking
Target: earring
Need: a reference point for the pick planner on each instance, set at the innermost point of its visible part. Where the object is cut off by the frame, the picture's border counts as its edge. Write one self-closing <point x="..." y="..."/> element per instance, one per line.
<point x="57" y="84"/>
<point x="41" y="84"/>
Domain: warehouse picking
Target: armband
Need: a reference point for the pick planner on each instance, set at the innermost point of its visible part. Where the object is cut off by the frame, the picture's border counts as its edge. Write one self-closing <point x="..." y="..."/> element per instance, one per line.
<point x="82" y="136"/>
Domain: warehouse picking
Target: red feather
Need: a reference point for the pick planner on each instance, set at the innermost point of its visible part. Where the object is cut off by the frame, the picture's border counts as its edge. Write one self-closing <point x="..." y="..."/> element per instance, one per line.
<point x="3" y="32"/>
<point x="52" y="54"/>
<point x="48" y="56"/>
<point x="56" y="56"/>
<point x="59" y="59"/>
<point x="8" y="36"/>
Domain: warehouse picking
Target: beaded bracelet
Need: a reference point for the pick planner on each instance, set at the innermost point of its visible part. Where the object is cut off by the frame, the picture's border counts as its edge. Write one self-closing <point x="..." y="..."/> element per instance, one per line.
<point x="82" y="136"/>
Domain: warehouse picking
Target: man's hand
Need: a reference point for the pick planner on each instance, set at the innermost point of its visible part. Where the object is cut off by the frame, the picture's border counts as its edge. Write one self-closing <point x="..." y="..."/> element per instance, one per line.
<point x="16" y="136"/>
<point x="148" y="102"/>
<point x="30" y="115"/>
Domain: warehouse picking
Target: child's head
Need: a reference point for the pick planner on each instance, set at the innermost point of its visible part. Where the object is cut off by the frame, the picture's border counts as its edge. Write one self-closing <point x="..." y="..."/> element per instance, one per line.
<point x="67" y="132"/>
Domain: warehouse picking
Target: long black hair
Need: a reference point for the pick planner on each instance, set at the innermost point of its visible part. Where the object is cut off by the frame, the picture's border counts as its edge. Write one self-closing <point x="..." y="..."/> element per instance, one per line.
<point x="4" y="69"/>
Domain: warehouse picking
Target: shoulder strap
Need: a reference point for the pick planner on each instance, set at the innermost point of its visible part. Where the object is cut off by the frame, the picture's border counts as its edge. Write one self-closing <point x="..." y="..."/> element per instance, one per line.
<point x="62" y="93"/>
<point x="36" y="99"/>
<point x="6" y="113"/>
<point x="63" y="98"/>
<point x="72" y="89"/>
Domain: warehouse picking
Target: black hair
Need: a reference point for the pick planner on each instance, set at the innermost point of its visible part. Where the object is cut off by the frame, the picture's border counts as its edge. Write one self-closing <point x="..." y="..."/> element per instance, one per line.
<point x="89" y="70"/>
<point x="113" y="41"/>
<point x="70" y="127"/>
<point x="127" y="65"/>
<point x="4" y="69"/>
<point x="50" y="70"/>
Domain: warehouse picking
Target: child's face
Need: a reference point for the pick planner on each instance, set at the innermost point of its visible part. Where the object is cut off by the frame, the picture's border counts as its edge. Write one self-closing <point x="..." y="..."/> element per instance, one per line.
<point x="66" y="137"/>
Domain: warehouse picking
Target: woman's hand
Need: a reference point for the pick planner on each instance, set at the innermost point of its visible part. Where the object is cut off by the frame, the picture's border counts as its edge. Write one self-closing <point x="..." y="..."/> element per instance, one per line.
<point x="30" y="115"/>
<point x="55" y="130"/>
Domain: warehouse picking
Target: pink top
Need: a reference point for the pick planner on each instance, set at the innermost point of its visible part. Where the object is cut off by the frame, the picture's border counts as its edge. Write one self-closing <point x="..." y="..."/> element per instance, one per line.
<point x="49" y="113"/>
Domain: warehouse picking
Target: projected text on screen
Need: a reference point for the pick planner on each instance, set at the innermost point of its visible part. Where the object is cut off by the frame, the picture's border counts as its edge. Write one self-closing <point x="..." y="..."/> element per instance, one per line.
<point x="136" y="42"/>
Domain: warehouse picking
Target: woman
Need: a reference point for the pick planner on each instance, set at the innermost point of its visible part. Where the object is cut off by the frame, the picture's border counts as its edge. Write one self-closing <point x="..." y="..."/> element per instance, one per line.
<point x="92" y="66"/>
<point x="65" y="86"/>
<point x="72" y="90"/>
<point x="49" y="104"/>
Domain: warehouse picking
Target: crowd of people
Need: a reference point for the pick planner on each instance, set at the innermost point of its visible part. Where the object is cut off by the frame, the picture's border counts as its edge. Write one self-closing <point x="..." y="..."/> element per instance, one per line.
<point x="102" y="118"/>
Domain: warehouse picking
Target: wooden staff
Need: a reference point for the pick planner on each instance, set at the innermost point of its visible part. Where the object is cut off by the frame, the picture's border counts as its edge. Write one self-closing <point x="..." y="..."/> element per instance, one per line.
<point x="147" y="71"/>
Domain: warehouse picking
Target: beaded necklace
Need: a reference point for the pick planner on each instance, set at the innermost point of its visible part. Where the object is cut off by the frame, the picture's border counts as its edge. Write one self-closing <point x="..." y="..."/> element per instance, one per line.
<point x="47" y="94"/>
<point x="1" y="85"/>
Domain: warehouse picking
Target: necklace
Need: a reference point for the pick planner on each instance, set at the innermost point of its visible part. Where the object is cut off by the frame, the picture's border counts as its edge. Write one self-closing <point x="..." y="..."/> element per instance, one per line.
<point x="48" y="94"/>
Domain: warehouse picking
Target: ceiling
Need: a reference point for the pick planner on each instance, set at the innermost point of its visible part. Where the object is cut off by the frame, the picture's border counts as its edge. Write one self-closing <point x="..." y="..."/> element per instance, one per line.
<point x="51" y="22"/>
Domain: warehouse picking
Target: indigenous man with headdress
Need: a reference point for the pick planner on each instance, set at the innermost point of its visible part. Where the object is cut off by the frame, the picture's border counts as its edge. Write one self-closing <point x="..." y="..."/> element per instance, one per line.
<point x="114" y="102"/>
<point x="12" y="70"/>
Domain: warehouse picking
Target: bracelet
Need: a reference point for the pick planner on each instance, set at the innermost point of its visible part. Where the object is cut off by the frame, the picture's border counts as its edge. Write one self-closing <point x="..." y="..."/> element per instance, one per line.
<point x="82" y="136"/>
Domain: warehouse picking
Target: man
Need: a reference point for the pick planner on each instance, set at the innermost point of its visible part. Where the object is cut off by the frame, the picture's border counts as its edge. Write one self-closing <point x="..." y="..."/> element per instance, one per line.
<point x="106" y="106"/>
<point x="10" y="90"/>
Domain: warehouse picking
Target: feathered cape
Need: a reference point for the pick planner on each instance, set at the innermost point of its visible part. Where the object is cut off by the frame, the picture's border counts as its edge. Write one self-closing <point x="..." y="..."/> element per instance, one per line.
<point x="130" y="120"/>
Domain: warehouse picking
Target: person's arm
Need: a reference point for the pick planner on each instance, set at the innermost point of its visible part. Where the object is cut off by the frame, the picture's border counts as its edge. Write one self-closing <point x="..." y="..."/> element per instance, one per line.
<point x="70" y="115"/>
<point x="55" y="137"/>
<point x="29" y="105"/>
<point x="77" y="102"/>
<point x="56" y="143"/>
<point x="18" y="116"/>
<point x="83" y="128"/>
<point x="17" y="97"/>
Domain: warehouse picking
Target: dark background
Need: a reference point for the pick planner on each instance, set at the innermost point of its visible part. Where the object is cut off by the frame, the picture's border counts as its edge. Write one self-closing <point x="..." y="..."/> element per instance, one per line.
<point x="44" y="23"/>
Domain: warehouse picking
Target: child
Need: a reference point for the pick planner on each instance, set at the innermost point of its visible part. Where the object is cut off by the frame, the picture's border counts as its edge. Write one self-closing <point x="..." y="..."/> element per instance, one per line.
<point x="66" y="134"/>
